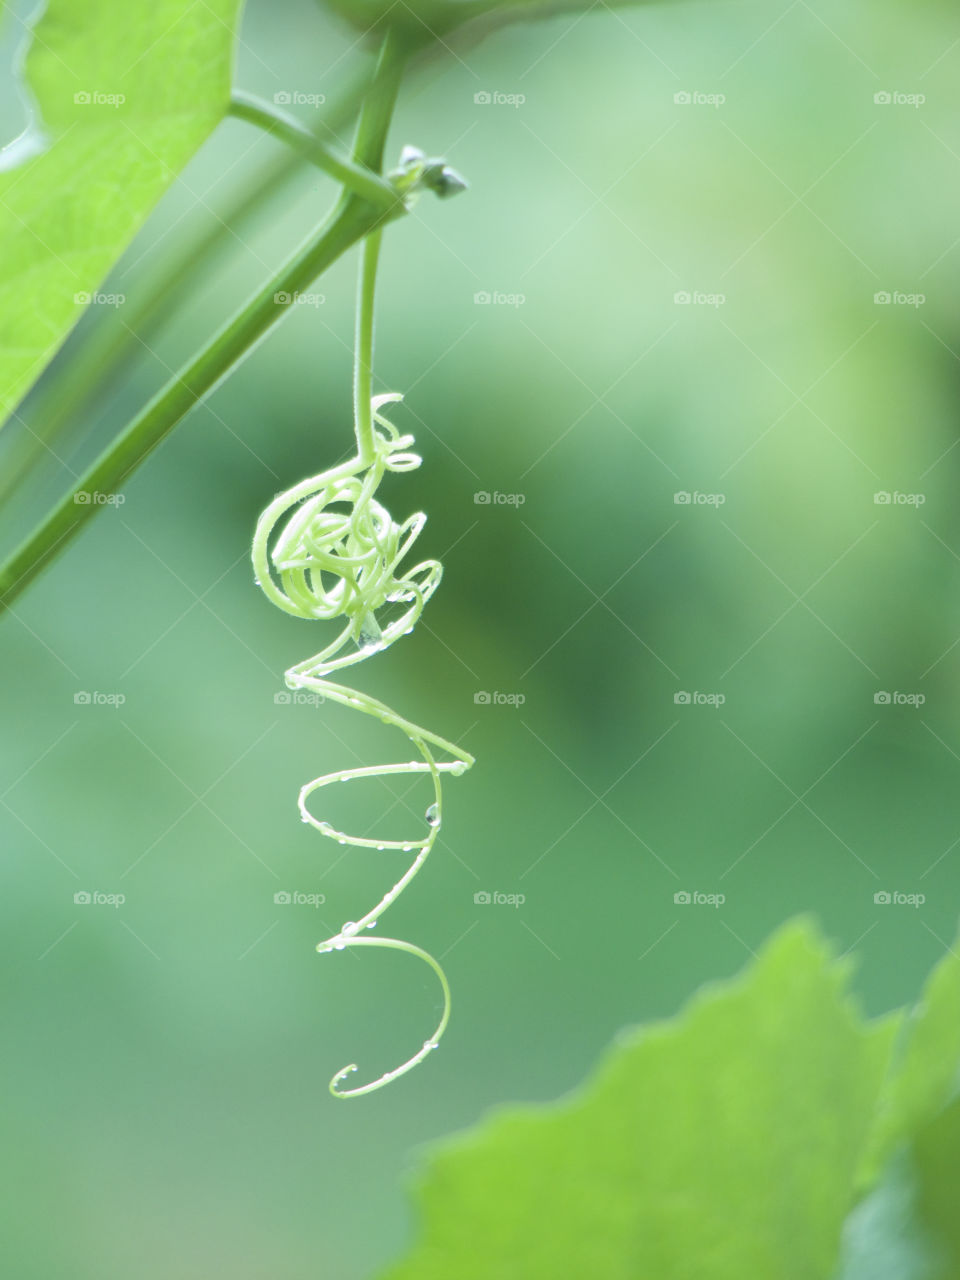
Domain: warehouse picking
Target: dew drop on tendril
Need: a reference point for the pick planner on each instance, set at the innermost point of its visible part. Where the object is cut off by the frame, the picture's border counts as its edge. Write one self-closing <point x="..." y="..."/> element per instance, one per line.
<point x="433" y="816"/>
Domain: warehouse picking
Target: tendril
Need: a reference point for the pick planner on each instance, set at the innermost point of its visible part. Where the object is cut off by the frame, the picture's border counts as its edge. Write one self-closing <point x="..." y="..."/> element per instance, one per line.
<point x="328" y="549"/>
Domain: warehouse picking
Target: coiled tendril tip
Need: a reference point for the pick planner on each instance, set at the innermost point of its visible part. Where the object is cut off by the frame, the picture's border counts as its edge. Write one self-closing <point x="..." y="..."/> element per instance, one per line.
<point x="328" y="549"/>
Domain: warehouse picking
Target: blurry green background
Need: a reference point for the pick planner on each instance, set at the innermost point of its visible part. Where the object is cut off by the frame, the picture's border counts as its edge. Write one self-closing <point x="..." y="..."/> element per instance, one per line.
<point x="165" y="1063"/>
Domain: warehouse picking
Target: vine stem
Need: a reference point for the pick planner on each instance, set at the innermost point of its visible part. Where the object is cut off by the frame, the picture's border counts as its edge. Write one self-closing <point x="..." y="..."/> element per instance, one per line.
<point x="351" y="220"/>
<point x="361" y="181"/>
<point x="363" y="353"/>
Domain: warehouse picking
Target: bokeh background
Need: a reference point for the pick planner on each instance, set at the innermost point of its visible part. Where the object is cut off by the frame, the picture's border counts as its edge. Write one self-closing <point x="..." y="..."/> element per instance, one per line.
<point x="165" y="1062"/>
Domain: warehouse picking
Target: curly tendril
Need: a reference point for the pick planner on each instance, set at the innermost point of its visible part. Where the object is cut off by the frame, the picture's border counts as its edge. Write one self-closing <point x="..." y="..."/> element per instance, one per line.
<point x="338" y="555"/>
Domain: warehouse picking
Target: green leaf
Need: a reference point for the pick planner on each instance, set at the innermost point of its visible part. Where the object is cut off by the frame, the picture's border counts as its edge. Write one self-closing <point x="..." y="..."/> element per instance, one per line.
<point x="720" y="1146"/>
<point x="883" y="1239"/>
<point x="936" y="1164"/>
<point x="926" y="1073"/>
<point x="68" y="213"/>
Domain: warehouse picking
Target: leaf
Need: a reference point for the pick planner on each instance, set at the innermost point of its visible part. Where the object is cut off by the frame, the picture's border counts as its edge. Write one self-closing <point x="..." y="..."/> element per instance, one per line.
<point x="68" y="213"/>
<point x="720" y="1146"/>
<point x="936" y="1164"/>
<point x="883" y="1239"/>
<point x="926" y="1073"/>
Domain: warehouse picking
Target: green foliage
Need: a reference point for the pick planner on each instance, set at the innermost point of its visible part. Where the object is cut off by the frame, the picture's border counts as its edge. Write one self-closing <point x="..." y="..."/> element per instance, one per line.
<point x="927" y="1073"/>
<point x="126" y="94"/>
<point x="721" y="1145"/>
<point x="936" y="1160"/>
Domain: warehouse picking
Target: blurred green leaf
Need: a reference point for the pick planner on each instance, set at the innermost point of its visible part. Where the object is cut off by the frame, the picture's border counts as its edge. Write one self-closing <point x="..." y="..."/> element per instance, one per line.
<point x="883" y="1240"/>
<point x="126" y="94"/>
<point x="936" y="1161"/>
<point x="722" y="1145"/>
<point x="926" y="1076"/>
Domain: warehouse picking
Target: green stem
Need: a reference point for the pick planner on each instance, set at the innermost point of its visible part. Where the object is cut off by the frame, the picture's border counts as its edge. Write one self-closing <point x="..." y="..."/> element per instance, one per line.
<point x="363" y="356"/>
<point x="361" y="181"/>
<point x="353" y="219"/>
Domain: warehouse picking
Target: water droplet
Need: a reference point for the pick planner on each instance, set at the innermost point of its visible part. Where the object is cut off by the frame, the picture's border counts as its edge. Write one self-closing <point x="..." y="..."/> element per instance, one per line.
<point x="407" y="848"/>
<point x="341" y="840"/>
<point x="304" y="818"/>
<point x="372" y="924"/>
<point x="430" y="1044"/>
<point x="381" y="848"/>
<point x="433" y="816"/>
<point x="370" y="638"/>
<point x="339" y="946"/>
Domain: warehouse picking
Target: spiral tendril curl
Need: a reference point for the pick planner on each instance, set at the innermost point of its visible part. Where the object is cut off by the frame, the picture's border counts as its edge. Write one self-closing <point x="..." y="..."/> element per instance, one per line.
<point x="338" y="555"/>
